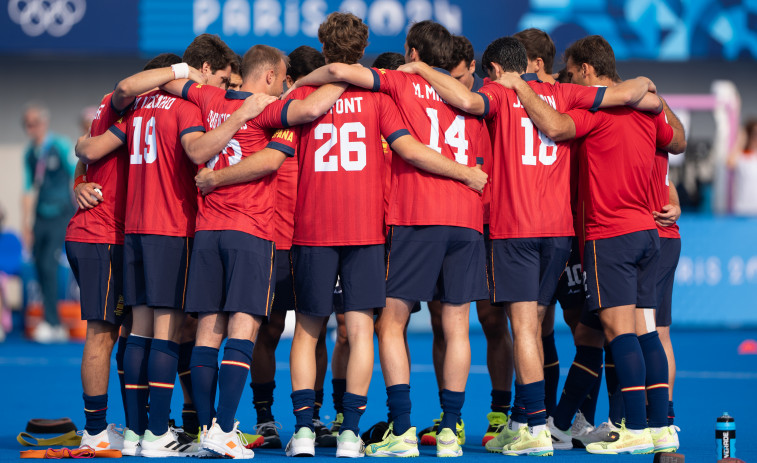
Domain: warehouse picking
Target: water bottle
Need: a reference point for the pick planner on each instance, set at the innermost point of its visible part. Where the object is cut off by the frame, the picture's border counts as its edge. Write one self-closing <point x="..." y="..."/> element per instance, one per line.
<point x="725" y="434"/>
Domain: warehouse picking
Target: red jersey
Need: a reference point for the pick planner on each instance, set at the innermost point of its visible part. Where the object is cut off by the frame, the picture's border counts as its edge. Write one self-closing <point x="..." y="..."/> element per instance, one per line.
<point x="659" y="192"/>
<point x="418" y="197"/>
<point x="104" y="223"/>
<point x="340" y="187"/>
<point x="245" y="207"/>
<point x="530" y="176"/>
<point x="286" y="201"/>
<point x="387" y="179"/>
<point x="616" y="159"/>
<point x="161" y="196"/>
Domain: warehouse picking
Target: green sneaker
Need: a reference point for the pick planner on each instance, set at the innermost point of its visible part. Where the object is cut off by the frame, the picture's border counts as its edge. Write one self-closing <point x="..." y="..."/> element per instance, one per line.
<point x="336" y="425"/>
<point x="526" y="444"/>
<point x="447" y="444"/>
<point x="131" y="444"/>
<point x="302" y="443"/>
<point x="496" y="421"/>
<point x="405" y="445"/>
<point x="624" y="441"/>
<point x="505" y="436"/>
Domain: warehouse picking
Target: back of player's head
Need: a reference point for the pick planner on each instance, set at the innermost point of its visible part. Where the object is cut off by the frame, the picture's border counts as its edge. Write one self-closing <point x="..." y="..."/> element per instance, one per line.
<point x="563" y="76"/>
<point x="208" y="48"/>
<point x="508" y="52"/>
<point x="388" y="60"/>
<point x="260" y="59"/>
<point x="538" y="45"/>
<point x="344" y="37"/>
<point x="432" y="42"/>
<point x="162" y="60"/>
<point x="303" y="60"/>
<point x="462" y="50"/>
<point x="597" y="52"/>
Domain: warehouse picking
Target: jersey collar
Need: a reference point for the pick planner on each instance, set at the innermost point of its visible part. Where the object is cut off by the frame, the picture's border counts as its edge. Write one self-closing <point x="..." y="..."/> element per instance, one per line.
<point x="237" y="95"/>
<point x="530" y="77"/>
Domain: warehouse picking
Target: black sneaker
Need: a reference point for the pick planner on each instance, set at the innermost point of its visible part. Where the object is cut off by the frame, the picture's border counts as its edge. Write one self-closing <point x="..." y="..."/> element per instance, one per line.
<point x="375" y="433"/>
<point x="270" y="433"/>
<point x="323" y="436"/>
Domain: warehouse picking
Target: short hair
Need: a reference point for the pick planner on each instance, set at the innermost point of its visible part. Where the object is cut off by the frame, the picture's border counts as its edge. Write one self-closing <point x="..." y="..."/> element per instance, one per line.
<point x="236" y="64"/>
<point x="563" y="76"/>
<point x="596" y="51"/>
<point x="508" y="52"/>
<point x="388" y="60"/>
<point x="161" y="61"/>
<point x="208" y="48"/>
<point x="344" y="37"/>
<point x="303" y="60"/>
<point x="462" y="50"/>
<point x="432" y="42"/>
<point x="259" y="59"/>
<point x="538" y="45"/>
<point x="38" y="107"/>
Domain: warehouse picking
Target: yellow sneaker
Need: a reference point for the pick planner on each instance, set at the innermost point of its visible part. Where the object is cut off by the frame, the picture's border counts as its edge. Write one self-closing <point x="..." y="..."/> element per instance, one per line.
<point x="405" y="445"/>
<point x="505" y="437"/>
<point x="665" y="439"/>
<point x="524" y="443"/>
<point x="448" y="444"/>
<point x="624" y="441"/>
<point x="496" y="421"/>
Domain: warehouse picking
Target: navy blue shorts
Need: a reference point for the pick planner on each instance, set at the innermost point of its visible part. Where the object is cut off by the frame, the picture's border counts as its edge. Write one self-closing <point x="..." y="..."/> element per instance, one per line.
<point x="670" y="251"/>
<point x="283" y="298"/>
<point x="361" y="271"/>
<point x="155" y="270"/>
<point x="527" y="269"/>
<point x="98" y="269"/>
<point x="231" y="271"/>
<point x="571" y="289"/>
<point x="622" y="270"/>
<point x="436" y="262"/>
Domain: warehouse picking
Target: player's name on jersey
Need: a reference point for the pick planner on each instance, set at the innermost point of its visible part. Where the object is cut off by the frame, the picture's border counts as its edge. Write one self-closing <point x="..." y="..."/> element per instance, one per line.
<point x="215" y="119"/>
<point x="428" y="94"/>
<point x="154" y="101"/>
<point x="549" y="99"/>
<point x="347" y="105"/>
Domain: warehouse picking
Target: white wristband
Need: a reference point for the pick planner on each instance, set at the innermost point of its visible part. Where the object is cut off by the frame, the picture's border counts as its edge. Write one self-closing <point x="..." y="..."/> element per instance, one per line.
<point x="180" y="70"/>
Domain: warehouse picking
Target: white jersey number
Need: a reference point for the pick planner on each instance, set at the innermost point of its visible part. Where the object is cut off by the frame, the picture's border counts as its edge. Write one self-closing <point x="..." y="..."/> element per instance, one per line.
<point x="325" y="162"/>
<point x="149" y="153"/>
<point x="454" y="136"/>
<point x="232" y="150"/>
<point x="547" y="147"/>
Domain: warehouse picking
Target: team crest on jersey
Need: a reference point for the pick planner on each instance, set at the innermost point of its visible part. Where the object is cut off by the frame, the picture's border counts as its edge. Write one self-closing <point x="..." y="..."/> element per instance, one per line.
<point x="283" y="134"/>
<point x="120" y="120"/>
<point x="120" y="306"/>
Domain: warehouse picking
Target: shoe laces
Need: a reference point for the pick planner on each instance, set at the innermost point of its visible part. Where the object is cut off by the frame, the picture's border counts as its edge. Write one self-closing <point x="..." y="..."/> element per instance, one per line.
<point x="240" y="435"/>
<point x="268" y="425"/>
<point x="318" y="424"/>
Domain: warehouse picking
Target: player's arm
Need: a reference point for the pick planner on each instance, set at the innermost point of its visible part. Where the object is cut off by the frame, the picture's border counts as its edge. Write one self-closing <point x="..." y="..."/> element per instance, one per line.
<point x="637" y="93"/>
<point x="449" y="89"/>
<point x="314" y="105"/>
<point x="671" y="212"/>
<point x="131" y="87"/>
<point x="551" y="123"/>
<point x="201" y="147"/>
<point x="84" y="192"/>
<point x="253" y="167"/>
<point x="338" y="72"/>
<point x="678" y="144"/>
<point x="423" y="157"/>
<point x="92" y="149"/>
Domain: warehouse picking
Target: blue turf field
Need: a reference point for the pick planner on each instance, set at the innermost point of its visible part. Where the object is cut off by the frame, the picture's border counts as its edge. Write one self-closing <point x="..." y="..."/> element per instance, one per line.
<point x="43" y="382"/>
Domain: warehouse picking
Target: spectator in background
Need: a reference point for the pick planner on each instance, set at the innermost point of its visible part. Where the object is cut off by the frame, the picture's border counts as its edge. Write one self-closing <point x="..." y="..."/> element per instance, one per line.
<point x="85" y="119"/>
<point x="743" y="163"/>
<point x="10" y="264"/>
<point x="46" y="208"/>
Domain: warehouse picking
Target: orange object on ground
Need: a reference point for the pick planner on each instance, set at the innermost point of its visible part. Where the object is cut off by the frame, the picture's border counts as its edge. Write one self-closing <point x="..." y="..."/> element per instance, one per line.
<point x="748" y="347"/>
<point x="70" y="316"/>
<point x="86" y="452"/>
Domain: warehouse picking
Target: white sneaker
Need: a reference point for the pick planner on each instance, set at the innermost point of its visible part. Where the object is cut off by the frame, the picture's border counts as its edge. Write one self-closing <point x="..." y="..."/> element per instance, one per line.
<point x="108" y="439"/>
<point x="580" y="430"/>
<point x="230" y="444"/>
<point x="166" y="445"/>
<point x="131" y="447"/>
<point x="302" y="443"/>
<point x="349" y="445"/>
<point x="665" y="439"/>
<point x="45" y="333"/>
<point x="561" y="440"/>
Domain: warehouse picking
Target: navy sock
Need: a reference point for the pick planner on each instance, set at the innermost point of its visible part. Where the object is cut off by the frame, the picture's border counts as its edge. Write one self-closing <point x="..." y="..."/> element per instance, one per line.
<point x="589" y="405"/>
<point x="232" y="377"/>
<point x="318" y="404"/>
<point x="614" y="396"/>
<point x="164" y="358"/>
<point x="137" y="388"/>
<point x="671" y="413"/>
<point x="120" y="351"/>
<point x="533" y="402"/>
<point x="262" y="399"/>
<point x="95" y="408"/>
<point x="631" y="372"/>
<point x="582" y="376"/>
<point x="354" y="407"/>
<point x="501" y="401"/>
<point x="398" y="400"/>
<point x="188" y="413"/>
<point x="339" y="385"/>
<point x="441" y="400"/>
<point x="518" y="412"/>
<point x="303" y="401"/>
<point x="551" y="372"/>
<point x="452" y="405"/>
<point x="204" y="367"/>
<point x="656" y="379"/>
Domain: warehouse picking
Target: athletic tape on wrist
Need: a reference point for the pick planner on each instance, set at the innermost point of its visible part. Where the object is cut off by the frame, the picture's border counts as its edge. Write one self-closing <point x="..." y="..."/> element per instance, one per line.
<point x="180" y="70"/>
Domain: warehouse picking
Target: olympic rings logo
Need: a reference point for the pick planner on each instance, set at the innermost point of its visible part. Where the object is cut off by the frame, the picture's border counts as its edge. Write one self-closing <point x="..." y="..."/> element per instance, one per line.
<point x="56" y="17"/>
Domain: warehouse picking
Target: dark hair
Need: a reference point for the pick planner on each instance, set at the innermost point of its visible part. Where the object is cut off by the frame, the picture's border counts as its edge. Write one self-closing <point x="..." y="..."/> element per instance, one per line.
<point x="508" y="52"/>
<point x="538" y="45"/>
<point x="596" y="51"/>
<point x="236" y="64"/>
<point x="207" y="48"/>
<point x="261" y="58"/>
<point x="344" y="37"/>
<point x="462" y="50"/>
<point x="161" y="61"/>
<point x="303" y="60"/>
<point x="750" y="128"/>
<point x="388" y="60"/>
<point x="563" y="76"/>
<point x="432" y="42"/>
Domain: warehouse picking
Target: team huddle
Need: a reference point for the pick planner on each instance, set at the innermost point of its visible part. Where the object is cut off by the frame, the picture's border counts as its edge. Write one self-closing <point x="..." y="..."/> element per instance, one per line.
<point x="211" y="202"/>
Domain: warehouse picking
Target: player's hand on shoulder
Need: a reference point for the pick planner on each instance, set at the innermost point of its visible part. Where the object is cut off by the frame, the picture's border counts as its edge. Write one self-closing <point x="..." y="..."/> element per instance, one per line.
<point x="255" y="104"/>
<point x="509" y="79"/>
<point x="205" y="180"/>
<point x="411" y="68"/>
<point x="477" y="179"/>
<point x="88" y="195"/>
<point x="197" y="76"/>
<point x="668" y="216"/>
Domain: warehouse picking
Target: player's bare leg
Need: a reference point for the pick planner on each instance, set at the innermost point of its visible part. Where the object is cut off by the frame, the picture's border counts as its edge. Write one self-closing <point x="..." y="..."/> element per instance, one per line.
<point x="667" y="344"/>
<point x="339" y="358"/>
<point x="439" y="346"/>
<point x="392" y="352"/>
<point x="302" y="361"/>
<point x="525" y="318"/>
<point x="264" y="354"/>
<point x="457" y="353"/>
<point x="95" y="362"/>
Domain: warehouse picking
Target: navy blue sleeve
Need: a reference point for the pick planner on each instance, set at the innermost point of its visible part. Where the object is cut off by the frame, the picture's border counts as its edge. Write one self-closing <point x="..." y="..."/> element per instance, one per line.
<point x="376" y="81"/>
<point x="196" y="128"/>
<point x="185" y="89"/>
<point x="486" y="105"/>
<point x="117" y="132"/>
<point x="284" y="121"/>
<point x="394" y="136"/>
<point x="598" y="99"/>
<point x="287" y="150"/>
